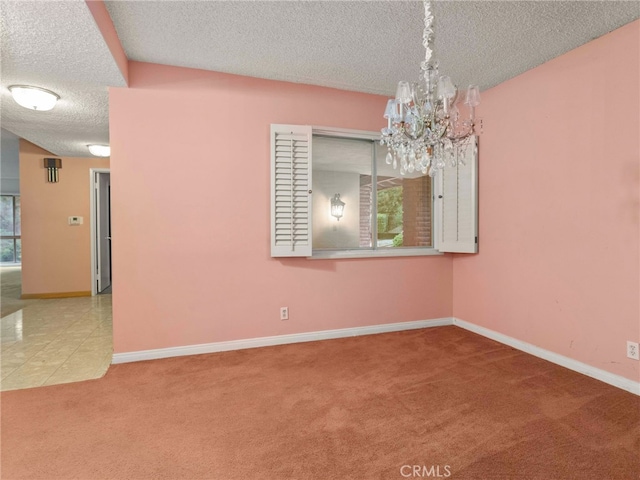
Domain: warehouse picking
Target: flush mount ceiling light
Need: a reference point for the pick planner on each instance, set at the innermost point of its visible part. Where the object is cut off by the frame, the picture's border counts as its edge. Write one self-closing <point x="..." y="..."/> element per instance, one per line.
<point x="100" y="150"/>
<point x="33" y="98"/>
<point x="425" y="130"/>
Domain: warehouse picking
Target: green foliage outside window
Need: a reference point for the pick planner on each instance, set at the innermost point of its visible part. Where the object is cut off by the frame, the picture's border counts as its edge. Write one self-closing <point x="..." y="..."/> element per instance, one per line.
<point x="10" y="248"/>
<point x="7" y="251"/>
<point x="390" y="215"/>
<point x="390" y="201"/>
<point x="6" y="215"/>
<point x="383" y="222"/>
<point x="398" y="240"/>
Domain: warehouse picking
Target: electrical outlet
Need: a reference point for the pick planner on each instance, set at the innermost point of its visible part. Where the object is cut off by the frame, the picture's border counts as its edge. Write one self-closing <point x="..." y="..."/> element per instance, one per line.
<point x="284" y="313"/>
<point x="633" y="350"/>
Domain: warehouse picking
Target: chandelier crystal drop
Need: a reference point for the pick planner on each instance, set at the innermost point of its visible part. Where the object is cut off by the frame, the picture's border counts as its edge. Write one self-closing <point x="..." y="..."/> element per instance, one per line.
<point x="425" y="129"/>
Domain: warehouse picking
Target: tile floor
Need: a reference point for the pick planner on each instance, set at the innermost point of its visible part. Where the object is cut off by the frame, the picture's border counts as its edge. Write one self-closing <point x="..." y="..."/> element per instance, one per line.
<point x="56" y="341"/>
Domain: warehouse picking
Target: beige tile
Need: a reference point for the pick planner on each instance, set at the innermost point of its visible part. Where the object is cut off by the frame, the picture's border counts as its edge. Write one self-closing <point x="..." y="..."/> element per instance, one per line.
<point x="76" y="376"/>
<point x="16" y="383"/>
<point x="21" y="353"/>
<point x="72" y="373"/>
<point x="77" y="363"/>
<point x="58" y="350"/>
<point x="56" y="341"/>
<point x="46" y="358"/>
<point x="12" y="361"/>
<point x="99" y="343"/>
<point x="102" y="370"/>
<point x="28" y="376"/>
<point x="68" y="339"/>
<point x="37" y="368"/>
<point x="106" y="332"/>
<point x="5" y="371"/>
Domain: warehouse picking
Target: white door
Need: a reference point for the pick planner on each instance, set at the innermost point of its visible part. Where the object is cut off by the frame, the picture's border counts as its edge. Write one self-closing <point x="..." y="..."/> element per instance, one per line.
<point x="103" y="230"/>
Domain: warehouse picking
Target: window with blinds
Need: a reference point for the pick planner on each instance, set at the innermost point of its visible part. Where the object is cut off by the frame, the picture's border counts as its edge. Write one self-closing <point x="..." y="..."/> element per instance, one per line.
<point x="384" y="214"/>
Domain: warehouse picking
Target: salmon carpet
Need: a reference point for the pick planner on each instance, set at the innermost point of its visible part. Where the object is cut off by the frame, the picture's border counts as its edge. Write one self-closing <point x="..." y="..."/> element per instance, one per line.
<point x="433" y="403"/>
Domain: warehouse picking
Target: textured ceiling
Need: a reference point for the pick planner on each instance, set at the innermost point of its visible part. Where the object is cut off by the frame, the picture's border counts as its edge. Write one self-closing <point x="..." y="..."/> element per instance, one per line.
<point x="364" y="46"/>
<point x="57" y="46"/>
<point x="361" y="45"/>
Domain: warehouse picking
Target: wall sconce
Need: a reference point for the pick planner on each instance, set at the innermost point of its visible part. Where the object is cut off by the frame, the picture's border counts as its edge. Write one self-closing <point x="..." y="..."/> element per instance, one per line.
<point x="337" y="206"/>
<point x="52" y="165"/>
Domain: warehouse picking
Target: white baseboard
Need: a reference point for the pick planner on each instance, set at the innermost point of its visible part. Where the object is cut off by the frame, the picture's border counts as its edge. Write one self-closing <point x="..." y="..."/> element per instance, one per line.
<point x="276" y="340"/>
<point x="571" y="364"/>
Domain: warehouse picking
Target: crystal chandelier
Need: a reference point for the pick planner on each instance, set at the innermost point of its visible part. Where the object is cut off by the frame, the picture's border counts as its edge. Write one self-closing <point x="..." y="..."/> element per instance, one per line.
<point x="424" y="126"/>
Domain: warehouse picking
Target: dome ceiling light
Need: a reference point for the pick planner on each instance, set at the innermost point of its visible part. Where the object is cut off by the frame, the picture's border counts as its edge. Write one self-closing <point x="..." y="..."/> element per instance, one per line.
<point x="100" y="150"/>
<point x="34" y="98"/>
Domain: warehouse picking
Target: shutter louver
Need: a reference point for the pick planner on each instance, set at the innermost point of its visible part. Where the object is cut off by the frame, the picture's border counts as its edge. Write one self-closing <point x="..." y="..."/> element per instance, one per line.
<point x="458" y="230"/>
<point x="290" y="191"/>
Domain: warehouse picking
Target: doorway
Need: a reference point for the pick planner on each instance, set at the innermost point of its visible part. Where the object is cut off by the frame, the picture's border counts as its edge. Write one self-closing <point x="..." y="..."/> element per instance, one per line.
<point x="101" y="271"/>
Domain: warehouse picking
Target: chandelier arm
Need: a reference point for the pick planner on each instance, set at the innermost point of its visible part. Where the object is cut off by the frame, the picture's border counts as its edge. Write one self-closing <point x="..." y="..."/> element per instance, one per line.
<point x="470" y="129"/>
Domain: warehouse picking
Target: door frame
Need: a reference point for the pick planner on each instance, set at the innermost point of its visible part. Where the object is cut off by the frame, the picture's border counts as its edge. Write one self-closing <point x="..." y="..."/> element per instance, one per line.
<point x="94" y="226"/>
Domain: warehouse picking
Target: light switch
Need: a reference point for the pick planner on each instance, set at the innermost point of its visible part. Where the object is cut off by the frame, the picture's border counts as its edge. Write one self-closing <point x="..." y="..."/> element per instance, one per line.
<point x="75" y="220"/>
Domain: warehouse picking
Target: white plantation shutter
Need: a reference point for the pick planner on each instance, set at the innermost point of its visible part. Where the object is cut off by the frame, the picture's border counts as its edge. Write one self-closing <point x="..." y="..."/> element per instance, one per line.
<point x="458" y="204"/>
<point x="290" y="191"/>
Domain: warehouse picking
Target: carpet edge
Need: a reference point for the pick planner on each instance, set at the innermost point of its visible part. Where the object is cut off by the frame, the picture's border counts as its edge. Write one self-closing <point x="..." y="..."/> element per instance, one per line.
<point x="276" y="340"/>
<point x="566" y="362"/>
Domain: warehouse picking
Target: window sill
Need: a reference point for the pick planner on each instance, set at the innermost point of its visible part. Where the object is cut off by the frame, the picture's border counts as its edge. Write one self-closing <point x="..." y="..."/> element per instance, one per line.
<point x="383" y="253"/>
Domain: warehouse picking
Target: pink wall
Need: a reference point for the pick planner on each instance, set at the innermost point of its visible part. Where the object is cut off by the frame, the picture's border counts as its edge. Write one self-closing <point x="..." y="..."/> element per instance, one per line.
<point x="56" y="257"/>
<point x="559" y="199"/>
<point x="190" y="217"/>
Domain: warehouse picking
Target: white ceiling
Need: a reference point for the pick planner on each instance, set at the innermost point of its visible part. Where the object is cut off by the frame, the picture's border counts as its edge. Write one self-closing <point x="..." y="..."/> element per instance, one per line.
<point x="57" y="46"/>
<point x="363" y="46"/>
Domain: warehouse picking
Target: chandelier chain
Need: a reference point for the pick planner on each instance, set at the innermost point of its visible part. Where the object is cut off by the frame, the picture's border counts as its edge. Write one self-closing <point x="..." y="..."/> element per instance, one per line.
<point x="428" y="34"/>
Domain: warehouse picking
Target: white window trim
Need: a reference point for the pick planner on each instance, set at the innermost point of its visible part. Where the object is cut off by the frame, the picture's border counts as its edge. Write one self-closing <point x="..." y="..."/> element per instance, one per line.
<point x="382" y="253"/>
<point x="329" y="254"/>
<point x="333" y="254"/>
<point x="346" y="133"/>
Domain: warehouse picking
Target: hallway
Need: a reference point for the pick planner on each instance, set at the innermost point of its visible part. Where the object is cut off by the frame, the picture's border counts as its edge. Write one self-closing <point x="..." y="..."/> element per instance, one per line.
<point x="52" y="341"/>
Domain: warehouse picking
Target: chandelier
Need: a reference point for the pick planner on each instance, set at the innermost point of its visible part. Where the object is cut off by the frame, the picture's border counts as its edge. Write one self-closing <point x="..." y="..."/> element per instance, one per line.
<point x="425" y="128"/>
